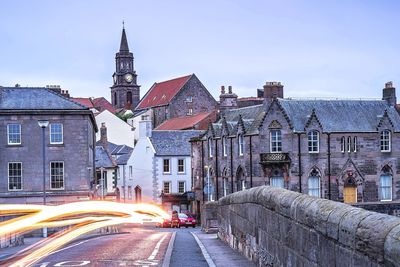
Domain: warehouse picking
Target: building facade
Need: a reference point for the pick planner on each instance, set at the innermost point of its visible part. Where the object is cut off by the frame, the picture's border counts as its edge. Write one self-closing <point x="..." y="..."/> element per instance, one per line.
<point x="344" y="150"/>
<point x="69" y="141"/>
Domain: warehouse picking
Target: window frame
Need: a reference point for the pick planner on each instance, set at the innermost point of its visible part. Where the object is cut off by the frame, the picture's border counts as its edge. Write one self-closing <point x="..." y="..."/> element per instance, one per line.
<point x="8" y="134"/>
<point x="169" y="165"/>
<point x="240" y="144"/>
<point x="189" y="99"/>
<point x="8" y="176"/>
<point x="51" y="134"/>
<point x="382" y="187"/>
<point x="224" y="146"/>
<point x="312" y="188"/>
<point x="276" y="177"/>
<point x="388" y="140"/>
<point x="63" y="175"/>
<point x="184" y="187"/>
<point x="277" y="143"/>
<point x="343" y="144"/>
<point x="183" y="166"/>
<point x="312" y="144"/>
<point x="169" y="187"/>
<point x="355" y="144"/>
<point x="209" y="146"/>
<point x="189" y="112"/>
<point x="348" y="144"/>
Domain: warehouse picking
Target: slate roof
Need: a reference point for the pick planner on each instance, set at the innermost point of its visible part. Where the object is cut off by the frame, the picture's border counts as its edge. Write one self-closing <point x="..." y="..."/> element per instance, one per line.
<point x="35" y="98"/>
<point x="120" y="153"/>
<point x="173" y="143"/>
<point x="102" y="158"/>
<point x="186" y="122"/>
<point x="160" y="94"/>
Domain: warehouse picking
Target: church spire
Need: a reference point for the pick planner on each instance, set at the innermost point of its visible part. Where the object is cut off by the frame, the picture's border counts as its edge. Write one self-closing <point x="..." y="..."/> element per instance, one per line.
<point x="124" y="42"/>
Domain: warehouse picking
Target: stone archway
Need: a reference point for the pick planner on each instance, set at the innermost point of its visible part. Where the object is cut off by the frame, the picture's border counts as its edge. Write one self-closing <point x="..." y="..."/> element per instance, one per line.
<point x="240" y="179"/>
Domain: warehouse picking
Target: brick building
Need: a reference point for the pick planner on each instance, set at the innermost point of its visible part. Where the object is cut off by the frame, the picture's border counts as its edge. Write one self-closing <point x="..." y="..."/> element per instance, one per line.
<point x="179" y="97"/>
<point x="69" y="147"/>
<point x="344" y="150"/>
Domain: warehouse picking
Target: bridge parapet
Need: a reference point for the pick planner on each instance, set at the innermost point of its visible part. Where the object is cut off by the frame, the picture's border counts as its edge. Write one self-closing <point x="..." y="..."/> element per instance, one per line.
<point x="277" y="227"/>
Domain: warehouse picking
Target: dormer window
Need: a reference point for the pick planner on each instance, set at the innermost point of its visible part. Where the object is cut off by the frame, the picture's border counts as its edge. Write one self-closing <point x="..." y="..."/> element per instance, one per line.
<point x="385" y="141"/>
<point x="210" y="152"/>
<point x="241" y="144"/>
<point x="313" y="141"/>
<point x="224" y="146"/>
<point x="189" y="99"/>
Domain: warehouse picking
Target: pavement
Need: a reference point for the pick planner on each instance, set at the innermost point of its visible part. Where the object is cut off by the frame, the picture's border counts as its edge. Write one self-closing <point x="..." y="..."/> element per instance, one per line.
<point x="146" y="246"/>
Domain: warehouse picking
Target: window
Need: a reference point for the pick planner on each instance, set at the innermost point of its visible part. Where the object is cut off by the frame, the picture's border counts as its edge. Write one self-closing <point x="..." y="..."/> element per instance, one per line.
<point x="355" y="144"/>
<point x="129" y="97"/>
<point x="243" y="184"/>
<point x="130" y="172"/>
<point x="224" y="146"/>
<point x="14" y="176"/>
<point x="349" y="144"/>
<point x="386" y="181"/>
<point x="145" y="117"/>
<point x="129" y="192"/>
<point x="313" y="142"/>
<point x="225" y="187"/>
<point x="190" y="111"/>
<point x="167" y="187"/>
<point x="181" y="187"/>
<point x="181" y="165"/>
<point x="277" y="181"/>
<point x="342" y="144"/>
<point x="57" y="175"/>
<point x="210" y="152"/>
<point x="240" y="144"/>
<point x="385" y="141"/>
<point x="14" y="134"/>
<point x="189" y="99"/>
<point x="314" y="184"/>
<point x="166" y="166"/>
<point x="276" y="141"/>
<point x="138" y="194"/>
<point x="56" y="133"/>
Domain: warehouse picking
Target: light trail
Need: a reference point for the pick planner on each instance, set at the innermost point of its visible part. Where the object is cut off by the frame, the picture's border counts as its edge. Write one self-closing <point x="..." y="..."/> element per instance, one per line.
<point x="82" y="217"/>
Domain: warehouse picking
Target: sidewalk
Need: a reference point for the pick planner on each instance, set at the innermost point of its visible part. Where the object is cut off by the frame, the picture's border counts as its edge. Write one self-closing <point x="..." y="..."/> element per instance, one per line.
<point x="28" y="241"/>
<point x="220" y="253"/>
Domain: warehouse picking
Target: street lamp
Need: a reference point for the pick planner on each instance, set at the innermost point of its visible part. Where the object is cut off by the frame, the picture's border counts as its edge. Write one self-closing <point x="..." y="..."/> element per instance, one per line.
<point x="43" y="124"/>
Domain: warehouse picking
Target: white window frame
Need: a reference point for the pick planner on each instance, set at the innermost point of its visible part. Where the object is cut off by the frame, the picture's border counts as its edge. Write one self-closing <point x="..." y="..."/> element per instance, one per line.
<point x="312" y="139"/>
<point x="224" y="146"/>
<point x="63" y="175"/>
<point x="355" y="144"/>
<point x="51" y="133"/>
<point x="8" y="176"/>
<point x="130" y="172"/>
<point x="184" y="165"/>
<point x="209" y="144"/>
<point x="276" y="144"/>
<point x="8" y="134"/>
<point x="241" y="144"/>
<point x="225" y="183"/>
<point x="382" y="187"/>
<point x="387" y="139"/>
<point x="169" y="187"/>
<point x="348" y="144"/>
<point x="189" y="99"/>
<point x="343" y="144"/>
<point x="315" y="189"/>
<point x="184" y="187"/>
<point x="169" y="165"/>
<point x="189" y="112"/>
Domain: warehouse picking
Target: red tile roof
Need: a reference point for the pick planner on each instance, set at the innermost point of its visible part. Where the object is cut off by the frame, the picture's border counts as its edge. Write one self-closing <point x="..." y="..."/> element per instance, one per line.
<point x="160" y="94"/>
<point x="86" y="101"/>
<point x="198" y="122"/>
<point x="101" y="104"/>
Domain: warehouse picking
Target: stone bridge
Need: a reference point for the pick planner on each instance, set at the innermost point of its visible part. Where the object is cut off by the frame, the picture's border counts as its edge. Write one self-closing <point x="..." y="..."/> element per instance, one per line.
<point x="277" y="227"/>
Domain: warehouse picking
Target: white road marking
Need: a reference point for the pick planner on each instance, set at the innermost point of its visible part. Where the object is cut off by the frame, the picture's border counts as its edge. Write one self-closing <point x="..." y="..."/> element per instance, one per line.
<point x="157" y="248"/>
<point x="168" y="253"/>
<point x="74" y="245"/>
<point x="204" y="251"/>
<point x="75" y="263"/>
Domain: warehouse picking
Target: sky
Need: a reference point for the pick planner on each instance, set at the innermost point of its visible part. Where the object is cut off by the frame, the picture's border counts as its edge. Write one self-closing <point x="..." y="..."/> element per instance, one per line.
<point x="340" y="48"/>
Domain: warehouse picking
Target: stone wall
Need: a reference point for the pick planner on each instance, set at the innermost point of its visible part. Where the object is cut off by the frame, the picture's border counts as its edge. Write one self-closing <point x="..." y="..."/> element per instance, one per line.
<point x="277" y="227"/>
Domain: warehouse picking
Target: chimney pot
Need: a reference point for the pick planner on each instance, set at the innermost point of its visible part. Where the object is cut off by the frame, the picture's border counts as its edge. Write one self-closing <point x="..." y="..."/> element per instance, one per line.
<point x="389" y="84"/>
<point x="222" y="89"/>
<point x="230" y="89"/>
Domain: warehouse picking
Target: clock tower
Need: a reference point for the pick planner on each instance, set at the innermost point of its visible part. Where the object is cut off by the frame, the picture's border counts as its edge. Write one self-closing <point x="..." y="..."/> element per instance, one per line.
<point x="125" y="92"/>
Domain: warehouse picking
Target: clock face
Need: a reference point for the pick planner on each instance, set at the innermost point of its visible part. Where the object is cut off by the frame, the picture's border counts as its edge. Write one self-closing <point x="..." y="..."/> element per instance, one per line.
<point x="128" y="78"/>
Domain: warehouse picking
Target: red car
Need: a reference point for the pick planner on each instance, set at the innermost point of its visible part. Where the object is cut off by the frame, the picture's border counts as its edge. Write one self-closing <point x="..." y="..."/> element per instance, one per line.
<point x="185" y="220"/>
<point x="165" y="224"/>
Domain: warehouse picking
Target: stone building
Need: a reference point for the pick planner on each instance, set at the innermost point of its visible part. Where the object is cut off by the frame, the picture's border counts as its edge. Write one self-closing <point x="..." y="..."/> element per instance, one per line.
<point x="69" y="147"/>
<point x="179" y="97"/>
<point x="344" y="150"/>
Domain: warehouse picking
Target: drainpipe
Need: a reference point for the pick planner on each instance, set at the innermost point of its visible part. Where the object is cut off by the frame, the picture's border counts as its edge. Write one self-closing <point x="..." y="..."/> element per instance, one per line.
<point x="216" y="170"/>
<point x="329" y="166"/>
<point x="124" y="182"/>
<point x="202" y="169"/>
<point x="251" y="165"/>
<point x="231" y="152"/>
<point x="299" y="158"/>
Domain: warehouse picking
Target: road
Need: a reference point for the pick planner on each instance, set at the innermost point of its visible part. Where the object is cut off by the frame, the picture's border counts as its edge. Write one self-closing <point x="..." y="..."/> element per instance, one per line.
<point x="132" y="247"/>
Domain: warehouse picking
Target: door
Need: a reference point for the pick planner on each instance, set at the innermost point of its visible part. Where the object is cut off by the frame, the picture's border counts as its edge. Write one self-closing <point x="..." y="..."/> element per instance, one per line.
<point x="350" y="194"/>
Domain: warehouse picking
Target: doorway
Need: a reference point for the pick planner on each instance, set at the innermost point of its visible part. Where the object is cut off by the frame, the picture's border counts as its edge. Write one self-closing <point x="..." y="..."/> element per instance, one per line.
<point x="350" y="194"/>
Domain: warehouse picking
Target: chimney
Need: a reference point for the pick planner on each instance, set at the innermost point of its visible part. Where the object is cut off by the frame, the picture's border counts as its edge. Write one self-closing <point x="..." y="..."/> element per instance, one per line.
<point x="144" y="129"/>
<point x="103" y="135"/>
<point x="227" y="101"/>
<point x="273" y="90"/>
<point x="389" y="94"/>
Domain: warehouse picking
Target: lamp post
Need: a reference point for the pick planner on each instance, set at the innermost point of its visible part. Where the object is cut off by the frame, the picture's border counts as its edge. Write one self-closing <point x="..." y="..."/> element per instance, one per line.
<point x="102" y="182"/>
<point x="43" y="124"/>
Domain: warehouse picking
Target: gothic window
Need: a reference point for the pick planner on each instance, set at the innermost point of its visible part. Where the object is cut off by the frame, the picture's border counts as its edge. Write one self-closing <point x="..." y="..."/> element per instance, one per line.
<point x="349" y="144"/>
<point x="225" y="185"/>
<point x="313" y="142"/>
<point x="355" y="148"/>
<point x="342" y="144"/>
<point x="224" y="146"/>
<point x="314" y="182"/>
<point x="276" y="141"/>
<point x="129" y="97"/>
<point x="210" y="152"/>
<point x="240" y="144"/>
<point x="385" y="141"/>
<point x="386" y="184"/>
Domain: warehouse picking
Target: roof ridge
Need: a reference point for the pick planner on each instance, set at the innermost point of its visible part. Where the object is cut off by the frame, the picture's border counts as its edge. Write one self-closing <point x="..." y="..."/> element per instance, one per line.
<point x="175" y="79"/>
<point x="66" y="98"/>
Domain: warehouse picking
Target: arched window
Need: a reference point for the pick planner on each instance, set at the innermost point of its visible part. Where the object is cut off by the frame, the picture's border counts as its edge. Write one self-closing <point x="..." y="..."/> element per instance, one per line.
<point x="313" y="142"/>
<point x="224" y="146"/>
<point x="226" y="184"/>
<point x="314" y="182"/>
<point x="240" y="144"/>
<point x="277" y="179"/>
<point x="138" y="194"/>
<point x="240" y="179"/>
<point x="349" y="144"/>
<point x="386" y="184"/>
<point x="355" y="145"/>
<point x="385" y="141"/>
<point x="342" y="144"/>
<point x="210" y="148"/>
<point x="129" y="97"/>
<point x="276" y="141"/>
<point x="115" y="98"/>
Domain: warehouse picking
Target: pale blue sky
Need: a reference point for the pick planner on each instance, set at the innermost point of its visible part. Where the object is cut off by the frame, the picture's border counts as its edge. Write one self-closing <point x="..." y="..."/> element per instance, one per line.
<point x="315" y="48"/>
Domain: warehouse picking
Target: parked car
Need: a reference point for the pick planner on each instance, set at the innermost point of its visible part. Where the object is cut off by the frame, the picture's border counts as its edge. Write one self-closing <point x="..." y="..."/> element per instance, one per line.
<point x="185" y="220"/>
<point x="165" y="224"/>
